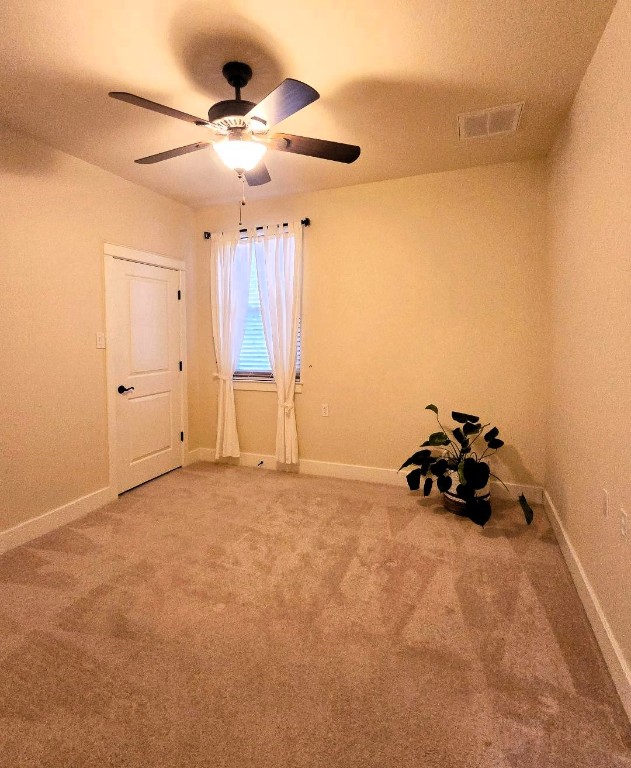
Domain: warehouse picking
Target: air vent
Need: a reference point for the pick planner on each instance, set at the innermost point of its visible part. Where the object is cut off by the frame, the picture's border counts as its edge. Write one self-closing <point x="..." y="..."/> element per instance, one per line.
<point x="496" y="121"/>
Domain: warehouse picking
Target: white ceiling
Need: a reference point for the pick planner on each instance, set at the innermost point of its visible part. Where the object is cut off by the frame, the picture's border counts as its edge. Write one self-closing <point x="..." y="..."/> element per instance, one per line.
<point x="392" y="74"/>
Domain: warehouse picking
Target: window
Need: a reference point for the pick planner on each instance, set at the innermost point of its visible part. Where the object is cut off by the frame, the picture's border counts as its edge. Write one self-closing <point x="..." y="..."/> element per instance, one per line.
<point x="254" y="364"/>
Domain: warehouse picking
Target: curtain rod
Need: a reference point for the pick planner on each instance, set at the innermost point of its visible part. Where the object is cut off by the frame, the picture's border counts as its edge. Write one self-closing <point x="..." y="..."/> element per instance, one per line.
<point x="305" y="223"/>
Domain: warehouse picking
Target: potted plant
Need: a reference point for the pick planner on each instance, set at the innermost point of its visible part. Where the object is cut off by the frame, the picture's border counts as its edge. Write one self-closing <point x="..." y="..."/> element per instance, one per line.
<point x="453" y="464"/>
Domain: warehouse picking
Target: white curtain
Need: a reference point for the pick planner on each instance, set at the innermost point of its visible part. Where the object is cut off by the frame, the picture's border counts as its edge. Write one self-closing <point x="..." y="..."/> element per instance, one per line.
<point x="230" y="263"/>
<point x="278" y="252"/>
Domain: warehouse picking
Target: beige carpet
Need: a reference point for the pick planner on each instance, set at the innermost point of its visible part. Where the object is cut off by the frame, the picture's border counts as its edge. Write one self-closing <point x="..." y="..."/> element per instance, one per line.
<point x="221" y="616"/>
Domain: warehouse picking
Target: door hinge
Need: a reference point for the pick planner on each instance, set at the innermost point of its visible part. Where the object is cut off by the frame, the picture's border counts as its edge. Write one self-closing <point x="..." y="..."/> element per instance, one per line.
<point x="179" y="295"/>
<point x="180" y="365"/>
<point x="181" y="437"/>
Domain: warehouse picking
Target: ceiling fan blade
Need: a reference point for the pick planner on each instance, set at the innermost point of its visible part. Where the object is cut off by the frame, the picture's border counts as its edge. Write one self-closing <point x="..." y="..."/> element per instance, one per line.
<point x="303" y="145"/>
<point x="258" y="175"/>
<point x="289" y="97"/>
<point x="173" y="153"/>
<point x="155" y="107"/>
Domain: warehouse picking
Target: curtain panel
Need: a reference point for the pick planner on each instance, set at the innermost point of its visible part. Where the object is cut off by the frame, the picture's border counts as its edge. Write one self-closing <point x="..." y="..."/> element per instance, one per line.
<point x="230" y="262"/>
<point x="278" y="254"/>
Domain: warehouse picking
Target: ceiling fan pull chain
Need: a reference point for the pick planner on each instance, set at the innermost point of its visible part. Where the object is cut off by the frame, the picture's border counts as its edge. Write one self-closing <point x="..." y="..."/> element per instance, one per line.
<point x="242" y="203"/>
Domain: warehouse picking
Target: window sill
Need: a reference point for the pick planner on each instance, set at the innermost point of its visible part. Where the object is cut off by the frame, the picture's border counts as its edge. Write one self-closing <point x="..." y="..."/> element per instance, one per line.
<point x="260" y="386"/>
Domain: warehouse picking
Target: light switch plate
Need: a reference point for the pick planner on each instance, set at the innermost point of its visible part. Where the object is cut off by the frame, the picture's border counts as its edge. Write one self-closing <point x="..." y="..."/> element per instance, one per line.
<point x="100" y="341"/>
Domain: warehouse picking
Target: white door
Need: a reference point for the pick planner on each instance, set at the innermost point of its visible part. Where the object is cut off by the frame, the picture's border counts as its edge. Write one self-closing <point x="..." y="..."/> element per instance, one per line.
<point x="143" y="342"/>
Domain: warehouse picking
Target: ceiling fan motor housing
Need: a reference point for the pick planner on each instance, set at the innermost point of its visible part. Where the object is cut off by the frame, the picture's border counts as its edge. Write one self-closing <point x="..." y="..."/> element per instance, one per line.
<point x="230" y="114"/>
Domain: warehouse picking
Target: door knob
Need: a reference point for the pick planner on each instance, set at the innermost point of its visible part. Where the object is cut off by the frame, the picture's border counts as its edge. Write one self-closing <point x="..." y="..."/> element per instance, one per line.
<point x="122" y="389"/>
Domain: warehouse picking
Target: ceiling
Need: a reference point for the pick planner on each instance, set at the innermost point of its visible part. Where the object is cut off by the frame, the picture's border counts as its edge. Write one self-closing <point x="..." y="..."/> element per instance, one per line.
<point x="392" y="74"/>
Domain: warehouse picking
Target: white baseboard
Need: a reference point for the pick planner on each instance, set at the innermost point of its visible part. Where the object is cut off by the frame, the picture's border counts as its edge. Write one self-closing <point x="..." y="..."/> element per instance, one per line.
<point x="614" y="658"/>
<point x="54" y="518"/>
<point x="326" y="469"/>
<point x="191" y="457"/>
<point x="200" y="454"/>
<point x="384" y="475"/>
<point x="534" y="493"/>
<point x="255" y="460"/>
<point x="204" y="454"/>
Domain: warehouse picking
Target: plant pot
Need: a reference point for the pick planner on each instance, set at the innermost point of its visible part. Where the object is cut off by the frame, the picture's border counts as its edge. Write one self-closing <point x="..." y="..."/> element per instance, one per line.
<point x="453" y="503"/>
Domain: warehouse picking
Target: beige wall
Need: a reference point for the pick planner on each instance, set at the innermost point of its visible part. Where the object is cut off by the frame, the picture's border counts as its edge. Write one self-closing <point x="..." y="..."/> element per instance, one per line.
<point x="590" y="300"/>
<point x="418" y="290"/>
<point x="55" y="214"/>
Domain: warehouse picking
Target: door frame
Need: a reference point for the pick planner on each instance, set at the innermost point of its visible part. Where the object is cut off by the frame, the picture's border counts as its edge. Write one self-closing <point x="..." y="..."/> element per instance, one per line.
<point x="112" y="253"/>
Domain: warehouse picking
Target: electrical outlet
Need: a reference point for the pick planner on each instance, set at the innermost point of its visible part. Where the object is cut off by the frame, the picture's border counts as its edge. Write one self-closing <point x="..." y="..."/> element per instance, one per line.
<point x="624" y="523"/>
<point x="100" y="340"/>
<point x="605" y="503"/>
<point x="324" y="409"/>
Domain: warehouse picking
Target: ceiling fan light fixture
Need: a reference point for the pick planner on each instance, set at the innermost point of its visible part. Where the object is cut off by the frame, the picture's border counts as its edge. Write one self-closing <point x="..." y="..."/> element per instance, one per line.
<point x="240" y="155"/>
<point x="240" y="127"/>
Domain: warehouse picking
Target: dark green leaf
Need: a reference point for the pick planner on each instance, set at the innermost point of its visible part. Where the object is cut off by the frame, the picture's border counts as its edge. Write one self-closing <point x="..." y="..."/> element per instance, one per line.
<point x="459" y="435"/>
<point x="438" y="438"/>
<point x="476" y="473"/>
<point x="491" y="434"/>
<point x="465" y="492"/>
<point x="528" y="513"/>
<point x="464" y="442"/>
<point x="417" y="458"/>
<point x="471" y="429"/>
<point x="439" y="467"/>
<point x="432" y="407"/>
<point x="462" y="418"/>
<point x="468" y="469"/>
<point x="427" y="487"/>
<point x="414" y="479"/>
<point x="479" y="511"/>
<point x="496" y="443"/>
<point x="444" y="483"/>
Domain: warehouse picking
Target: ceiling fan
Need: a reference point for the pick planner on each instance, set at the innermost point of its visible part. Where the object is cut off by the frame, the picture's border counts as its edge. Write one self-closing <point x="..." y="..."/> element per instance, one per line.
<point x="240" y="129"/>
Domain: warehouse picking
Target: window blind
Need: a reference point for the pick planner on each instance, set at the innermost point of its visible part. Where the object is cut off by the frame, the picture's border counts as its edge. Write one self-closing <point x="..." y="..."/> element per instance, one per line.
<point x="254" y="364"/>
